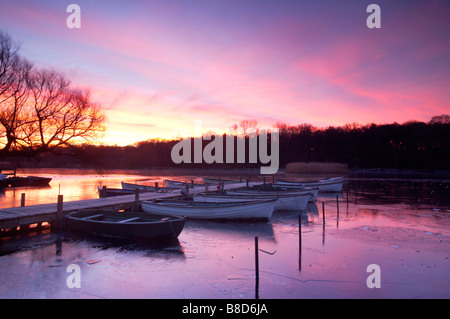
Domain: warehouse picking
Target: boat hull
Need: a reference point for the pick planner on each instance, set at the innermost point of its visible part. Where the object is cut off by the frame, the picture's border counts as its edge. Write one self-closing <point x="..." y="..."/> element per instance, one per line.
<point x="326" y="186"/>
<point x="110" y="192"/>
<point x="125" y="225"/>
<point x="146" y="188"/>
<point x="25" y="181"/>
<point x="212" y="210"/>
<point x="332" y="184"/>
<point x="284" y="202"/>
<point x="216" y="181"/>
<point x="311" y="192"/>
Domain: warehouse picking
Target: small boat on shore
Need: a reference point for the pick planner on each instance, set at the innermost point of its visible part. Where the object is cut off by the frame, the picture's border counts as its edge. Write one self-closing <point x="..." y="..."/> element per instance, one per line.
<point x="125" y="225"/>
<point x="19" y="181"/>
<point x="284" y="201"/>
<point x="257" y="209"/>
<point x="269" y="190"/>
<point x="324" y="185"/>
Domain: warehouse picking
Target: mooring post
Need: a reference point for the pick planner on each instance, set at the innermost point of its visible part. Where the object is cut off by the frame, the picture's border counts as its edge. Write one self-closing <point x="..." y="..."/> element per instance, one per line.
<point x="22" y="200"/>
<point x="136" y="194"/>
<point x="156" y="187"/>
<point x="60" y="212"/>
<point x="323" y="213"/>
<point x="347" y="199"/>
<point x="192" y="183"/>
<point x="256" y="269"/>
<point x="299" y="242"/>
<point x="246" y="181"/>
<point x="337" y="205"/>
<point x="104" y="191"/>
<point x="136" y="199"/>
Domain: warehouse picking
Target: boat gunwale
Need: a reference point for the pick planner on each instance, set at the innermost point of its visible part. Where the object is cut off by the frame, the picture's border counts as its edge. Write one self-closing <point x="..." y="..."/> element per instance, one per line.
<point x="194" y="204"/>
<point x="176" y="218"/>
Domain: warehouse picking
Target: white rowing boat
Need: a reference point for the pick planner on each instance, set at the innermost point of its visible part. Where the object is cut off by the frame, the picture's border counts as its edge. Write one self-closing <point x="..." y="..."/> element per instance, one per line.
<point x="284" y="201"/>
<point x="312" y="192"/>
<point x="177" y="184"/>
<point x="324" y="185"/>
<point x="216" y="181"/>
<point x="147" y="188"/>
<point x="261" y="209"/>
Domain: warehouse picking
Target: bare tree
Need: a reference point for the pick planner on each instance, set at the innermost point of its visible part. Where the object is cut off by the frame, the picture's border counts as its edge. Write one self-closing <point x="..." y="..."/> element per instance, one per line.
<point x="248" y="124"/>
<point x="8" y="61"/>
<point x="440" y="119"/>
<point x="39" y="110"/>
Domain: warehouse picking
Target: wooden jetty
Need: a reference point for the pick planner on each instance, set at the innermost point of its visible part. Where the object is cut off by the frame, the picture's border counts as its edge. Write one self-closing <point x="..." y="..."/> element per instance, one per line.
<point x="48" y="213"/>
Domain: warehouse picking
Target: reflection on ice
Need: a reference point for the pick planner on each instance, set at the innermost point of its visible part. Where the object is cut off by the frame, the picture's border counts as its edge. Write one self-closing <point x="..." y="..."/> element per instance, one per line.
<point x="402" y="226"/>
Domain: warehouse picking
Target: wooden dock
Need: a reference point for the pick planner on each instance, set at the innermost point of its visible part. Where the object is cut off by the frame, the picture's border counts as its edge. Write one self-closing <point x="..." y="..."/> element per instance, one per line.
<point x="37" y="214"/>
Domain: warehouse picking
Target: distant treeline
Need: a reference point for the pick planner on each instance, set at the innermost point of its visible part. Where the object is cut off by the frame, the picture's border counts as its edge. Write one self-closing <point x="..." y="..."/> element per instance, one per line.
<point x="412" y="145"/>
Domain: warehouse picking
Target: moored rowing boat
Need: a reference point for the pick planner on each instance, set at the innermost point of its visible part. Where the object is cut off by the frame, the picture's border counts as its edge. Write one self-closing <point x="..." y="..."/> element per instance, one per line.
<point x="216" y="181"/>
<point x="333" y="184"/>
<point x="125" y="225"/>
<point x="258" y="209"/>
<point x="147" y="188"/>
<point x="269" y="190"/>
<point x="284" y="201"/>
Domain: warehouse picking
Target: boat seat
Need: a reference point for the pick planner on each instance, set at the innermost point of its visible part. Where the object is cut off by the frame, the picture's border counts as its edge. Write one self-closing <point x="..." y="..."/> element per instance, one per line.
<point x="92" y="216"/>
<point x="129" y="220"/>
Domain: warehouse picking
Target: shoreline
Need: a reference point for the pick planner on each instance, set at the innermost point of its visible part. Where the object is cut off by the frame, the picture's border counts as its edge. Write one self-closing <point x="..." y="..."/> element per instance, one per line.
<point x="352" y="173"/>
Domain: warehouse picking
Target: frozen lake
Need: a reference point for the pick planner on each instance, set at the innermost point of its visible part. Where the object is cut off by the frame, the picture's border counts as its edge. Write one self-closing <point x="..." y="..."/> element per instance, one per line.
<point x="403" y="226"/>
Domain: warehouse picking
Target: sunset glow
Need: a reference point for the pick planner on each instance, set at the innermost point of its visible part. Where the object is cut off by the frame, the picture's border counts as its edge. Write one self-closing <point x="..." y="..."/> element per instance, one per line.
<point x="158" y="66"/>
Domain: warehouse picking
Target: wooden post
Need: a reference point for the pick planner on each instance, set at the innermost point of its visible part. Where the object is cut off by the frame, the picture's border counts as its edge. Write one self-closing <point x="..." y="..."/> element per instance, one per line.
<point x="299" y="242"/>
<point x="323" y="213"/>
<point x="246" y="182"/>
<point x="264" y="180"/>
<point x="337" y="205"/>
<point x="186" y="190"/>
<point x="22" y="200"/>
<point x="273" y="179"/>
<point x="60" y="212"/>
<point x="347" y="199"/>
<point x="156" y="187"/>
<point x="256" y="268"/>
<point x="136" y="194"/>
<point x="136" y="199"/>
<point x="192" y="183"/>
<point x="104" y="191"/>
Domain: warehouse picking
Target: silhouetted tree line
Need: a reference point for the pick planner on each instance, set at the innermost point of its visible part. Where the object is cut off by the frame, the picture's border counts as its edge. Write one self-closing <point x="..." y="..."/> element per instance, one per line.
<point x="412" y="145"/>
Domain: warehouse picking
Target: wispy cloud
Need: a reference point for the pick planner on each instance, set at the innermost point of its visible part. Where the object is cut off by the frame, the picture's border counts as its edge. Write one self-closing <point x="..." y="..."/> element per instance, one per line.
<point x="157" y="66"/>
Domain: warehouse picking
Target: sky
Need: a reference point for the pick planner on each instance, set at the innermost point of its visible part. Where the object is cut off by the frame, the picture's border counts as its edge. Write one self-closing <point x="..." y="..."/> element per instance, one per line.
<point x="158" y="66"/>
